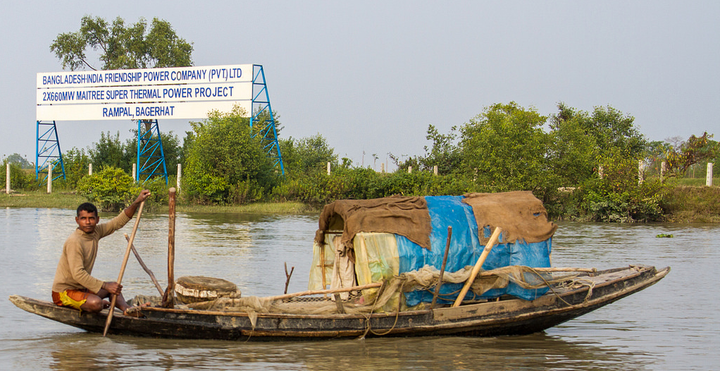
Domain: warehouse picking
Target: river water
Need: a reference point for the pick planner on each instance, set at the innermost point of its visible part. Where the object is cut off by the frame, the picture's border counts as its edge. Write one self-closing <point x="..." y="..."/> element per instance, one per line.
<point x="674" y="325"/>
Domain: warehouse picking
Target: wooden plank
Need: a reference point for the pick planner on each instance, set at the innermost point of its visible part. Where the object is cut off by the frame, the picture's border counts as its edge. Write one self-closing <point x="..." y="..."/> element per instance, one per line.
<point x="490" y="308"/>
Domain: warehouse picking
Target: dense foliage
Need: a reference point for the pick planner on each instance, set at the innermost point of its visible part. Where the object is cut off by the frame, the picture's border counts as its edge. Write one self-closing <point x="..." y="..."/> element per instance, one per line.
<point x="225" y="163"/>
<point x="19" y="178"/>
<point x="76" y="166"/>
<point x="109" y="189"/>
<point x="110" y="151"/>
<point x="505" y="148"/>
<point x="307" y="155"/>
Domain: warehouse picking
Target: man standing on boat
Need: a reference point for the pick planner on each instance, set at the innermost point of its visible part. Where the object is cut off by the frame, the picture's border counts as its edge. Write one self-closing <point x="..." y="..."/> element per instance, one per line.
<point x="73" y="285"/>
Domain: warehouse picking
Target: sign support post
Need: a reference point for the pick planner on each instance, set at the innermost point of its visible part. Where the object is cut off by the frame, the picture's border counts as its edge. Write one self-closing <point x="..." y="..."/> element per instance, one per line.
<point x="150" y="155"/>
<point x="47" y="152"/>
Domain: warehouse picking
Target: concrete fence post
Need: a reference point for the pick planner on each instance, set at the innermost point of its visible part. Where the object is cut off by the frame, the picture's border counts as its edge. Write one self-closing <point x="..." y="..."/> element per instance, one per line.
<point x="409" y="169"/>
<point x="641" y="172"/>
<point x="179" y="175"/>
<point x="89" y="169"/>
<point x="49" y="183"/>
<point x="435" y="170"/>
<point x="709" y="176"/>
<point x="7" y="178"/>
<point x="134" y="172"/>
<point x="328" y="168"/>
<point x="663" y="170"/>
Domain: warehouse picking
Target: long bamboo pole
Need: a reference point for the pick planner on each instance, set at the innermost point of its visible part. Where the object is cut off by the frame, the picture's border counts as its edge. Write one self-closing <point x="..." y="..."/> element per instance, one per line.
<point x="122" y="269"/>
<point x="169" y="296"/>
<point x="476" y="269"/>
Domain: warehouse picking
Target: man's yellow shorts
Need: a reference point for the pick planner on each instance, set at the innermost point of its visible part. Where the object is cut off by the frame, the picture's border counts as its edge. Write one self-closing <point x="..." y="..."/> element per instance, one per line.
<point x="70" y="298"/>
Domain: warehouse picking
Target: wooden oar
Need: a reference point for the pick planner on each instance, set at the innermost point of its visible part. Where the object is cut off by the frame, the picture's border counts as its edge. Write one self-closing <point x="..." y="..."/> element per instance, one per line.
<point x="122" y="269"/>
<point x="476" y="269"/>
<point x="144" y="267"/>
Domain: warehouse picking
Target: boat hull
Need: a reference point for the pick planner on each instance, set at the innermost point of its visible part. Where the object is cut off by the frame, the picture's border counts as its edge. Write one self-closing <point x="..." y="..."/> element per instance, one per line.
<point x="493" y="318"/>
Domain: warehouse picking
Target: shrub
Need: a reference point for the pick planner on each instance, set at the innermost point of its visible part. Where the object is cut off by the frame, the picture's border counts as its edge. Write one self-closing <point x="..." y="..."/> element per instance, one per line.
<point x="226" y="162"/>
<point x="111" y="189"/>
<point x="617" y="197"/>
<point x="19" y="178"/>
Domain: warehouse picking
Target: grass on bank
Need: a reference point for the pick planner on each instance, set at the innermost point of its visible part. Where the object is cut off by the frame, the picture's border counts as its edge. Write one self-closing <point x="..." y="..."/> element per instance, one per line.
<point x="254" y="208"/>
<point x="38" y="199"/>
<point x="690" y="182"/>
<point x="683" y="204"/>
<point x="69" y="200"/>
<point x="688" y="204"/>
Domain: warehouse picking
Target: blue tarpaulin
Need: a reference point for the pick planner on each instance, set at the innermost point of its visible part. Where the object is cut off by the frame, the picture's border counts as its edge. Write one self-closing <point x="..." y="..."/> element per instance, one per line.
<point x="465" y="249"/>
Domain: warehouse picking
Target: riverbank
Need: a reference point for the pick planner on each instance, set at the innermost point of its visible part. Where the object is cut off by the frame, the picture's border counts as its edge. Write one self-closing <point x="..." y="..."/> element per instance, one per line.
<point x="682" y="204"/>
<point x="68" y="200"/>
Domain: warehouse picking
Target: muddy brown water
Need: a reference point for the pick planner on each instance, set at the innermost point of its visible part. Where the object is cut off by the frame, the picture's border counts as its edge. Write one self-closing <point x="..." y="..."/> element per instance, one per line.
<point x="674" y="325"/>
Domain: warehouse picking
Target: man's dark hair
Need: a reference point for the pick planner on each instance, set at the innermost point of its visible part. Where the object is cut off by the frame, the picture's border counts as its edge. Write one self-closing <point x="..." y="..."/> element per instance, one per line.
<point x="87" y="207"/>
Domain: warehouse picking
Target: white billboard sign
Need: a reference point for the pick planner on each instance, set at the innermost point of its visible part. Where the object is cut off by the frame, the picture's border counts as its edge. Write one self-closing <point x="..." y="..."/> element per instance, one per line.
<point x="171" y="93"/>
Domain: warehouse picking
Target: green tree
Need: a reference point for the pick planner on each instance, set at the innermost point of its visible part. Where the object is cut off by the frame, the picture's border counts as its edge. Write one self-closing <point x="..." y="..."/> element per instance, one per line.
<point x="111" y="188"/>
<point x="109" y="151"/>
<point x="121" y="46"/>
<point x="76" y="166"/>
<point x="307" y="154"/>
<point x="444" y="153"/>
<point x="613" y="131"/>
<point x="17" y="159"/>
<point x="505" y="148"/>
<point x="226" y="163"/>
<point x="573" y="153"/>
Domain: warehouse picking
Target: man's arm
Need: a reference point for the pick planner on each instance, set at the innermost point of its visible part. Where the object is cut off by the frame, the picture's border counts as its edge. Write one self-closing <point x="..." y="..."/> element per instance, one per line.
<point x="114" y="287"/>
<point x="130" y="211"/>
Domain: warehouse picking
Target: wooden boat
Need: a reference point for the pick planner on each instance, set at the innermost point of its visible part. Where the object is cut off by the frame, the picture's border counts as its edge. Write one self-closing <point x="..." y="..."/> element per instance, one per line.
<point x="501" y="316"/>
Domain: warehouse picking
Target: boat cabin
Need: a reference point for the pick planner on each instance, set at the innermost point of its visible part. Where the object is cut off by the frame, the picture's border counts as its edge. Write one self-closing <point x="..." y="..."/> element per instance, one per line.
<point x="359" y="242"/>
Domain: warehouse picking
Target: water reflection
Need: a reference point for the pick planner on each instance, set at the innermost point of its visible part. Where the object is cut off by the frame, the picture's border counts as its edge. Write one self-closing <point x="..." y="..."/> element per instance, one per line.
<point x="537" y="351"/>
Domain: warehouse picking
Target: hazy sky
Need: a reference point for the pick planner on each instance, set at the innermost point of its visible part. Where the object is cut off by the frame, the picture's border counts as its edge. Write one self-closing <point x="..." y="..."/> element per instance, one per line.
<point x="372" y="75"/>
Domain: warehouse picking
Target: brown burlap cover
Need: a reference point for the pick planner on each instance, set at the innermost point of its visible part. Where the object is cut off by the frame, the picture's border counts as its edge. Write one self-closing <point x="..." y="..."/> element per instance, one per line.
<point x="520" y="214"/>
<point x="406" y="216"/>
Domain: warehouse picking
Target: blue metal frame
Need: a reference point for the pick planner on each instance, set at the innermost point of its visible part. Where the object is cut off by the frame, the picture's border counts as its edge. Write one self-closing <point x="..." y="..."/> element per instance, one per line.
<point x="150" y="155"/>
<point x="261" y="106"/>
<point x="45" y="147"/>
